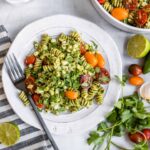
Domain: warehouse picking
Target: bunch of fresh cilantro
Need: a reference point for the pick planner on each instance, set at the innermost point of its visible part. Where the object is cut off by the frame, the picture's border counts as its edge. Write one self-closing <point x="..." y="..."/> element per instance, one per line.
<point x="128" y="116"/>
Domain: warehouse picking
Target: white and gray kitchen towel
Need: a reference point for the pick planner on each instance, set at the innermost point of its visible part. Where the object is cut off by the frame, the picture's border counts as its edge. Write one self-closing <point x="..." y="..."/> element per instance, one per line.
<point x="31" y="138"/>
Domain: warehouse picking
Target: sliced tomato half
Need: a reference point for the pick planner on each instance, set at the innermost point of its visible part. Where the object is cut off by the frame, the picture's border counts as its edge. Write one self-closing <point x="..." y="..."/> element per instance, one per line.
<point x="141" y="18"/>
<point x="130" y="4"/>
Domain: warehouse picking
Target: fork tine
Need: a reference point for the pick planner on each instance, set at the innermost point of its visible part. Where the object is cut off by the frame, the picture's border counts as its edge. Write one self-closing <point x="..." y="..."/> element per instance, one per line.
<point x="18" y="66"/>
<point x="9" y="70"/>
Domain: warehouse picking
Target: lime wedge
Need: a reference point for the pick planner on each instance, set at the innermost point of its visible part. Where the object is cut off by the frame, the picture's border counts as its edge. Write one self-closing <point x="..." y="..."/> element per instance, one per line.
<point x="9" y="133"/>
<point x="138" y="46"/>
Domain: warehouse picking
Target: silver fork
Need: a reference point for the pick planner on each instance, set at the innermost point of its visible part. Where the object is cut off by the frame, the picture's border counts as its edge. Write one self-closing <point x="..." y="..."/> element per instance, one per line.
<point x="17" y="76"/>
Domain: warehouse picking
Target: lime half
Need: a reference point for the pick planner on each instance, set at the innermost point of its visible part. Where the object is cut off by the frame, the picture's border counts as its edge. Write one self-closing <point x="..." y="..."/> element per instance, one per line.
<point x="138" y="46"/>
<point x="9" y="133"/>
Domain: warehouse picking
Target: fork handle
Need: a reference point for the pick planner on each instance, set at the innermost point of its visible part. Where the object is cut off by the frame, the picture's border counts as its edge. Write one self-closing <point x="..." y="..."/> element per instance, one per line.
<point x="41" y="121"/>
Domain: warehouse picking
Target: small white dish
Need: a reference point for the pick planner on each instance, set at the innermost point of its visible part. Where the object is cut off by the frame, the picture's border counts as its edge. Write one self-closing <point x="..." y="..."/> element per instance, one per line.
<point x="144" y="91"/>
<point x="115" y="22"/>
<point x="85" y="119"/>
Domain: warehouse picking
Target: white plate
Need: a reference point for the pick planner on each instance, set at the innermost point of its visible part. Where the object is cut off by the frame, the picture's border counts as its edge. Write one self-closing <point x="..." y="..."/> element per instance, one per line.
<point x="115" y="22"/>
<point x="85" y="119"/>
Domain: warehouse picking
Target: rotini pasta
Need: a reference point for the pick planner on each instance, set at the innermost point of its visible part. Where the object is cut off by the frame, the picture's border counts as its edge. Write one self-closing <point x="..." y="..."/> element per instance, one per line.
<point x="107" y="6"/>
<point x="100" y="95"/>
<point x="23" y="97"/>
<point x="117" y="3"/>
<point x="37" y="64"/>
<point x="131" y="17"/>
<point x="53" y="78"/>
<point x="92" y="91"/>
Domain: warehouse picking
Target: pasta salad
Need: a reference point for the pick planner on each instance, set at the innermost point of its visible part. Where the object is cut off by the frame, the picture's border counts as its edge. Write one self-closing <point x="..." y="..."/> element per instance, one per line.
<point x="65" y="74"/>
<point x="132" y="12"/>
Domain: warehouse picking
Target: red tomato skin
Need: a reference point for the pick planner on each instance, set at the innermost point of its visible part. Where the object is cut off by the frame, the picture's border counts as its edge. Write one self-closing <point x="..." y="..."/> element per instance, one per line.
<point x="36" y="97"/>
<point x="141" y="18"/>
<point x="146" y="133"/>
<point x="136" y="137"/>
<point x="130" y="4"/>
<point x="40" y="106"/>
<point x="135" y="69"/>
<point x="29" y="80"/>
<point x="30" y="60"/>
<point x="101" y="1"/>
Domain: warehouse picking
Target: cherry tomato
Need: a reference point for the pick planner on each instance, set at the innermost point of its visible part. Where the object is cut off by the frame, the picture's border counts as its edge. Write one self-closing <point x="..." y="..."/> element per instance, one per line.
<point x="130" y="4"/>
<point x="146" y="133"/>
<point x="101" y="60"/>
<point x="85" y="81"/>
<point x="91" y="59"/>
<point x="29" y="80"/>
<point x="119" y="13"/>
<point x="136" y="81"/>
<point x="141" y="18"/>
<point x="101" y="1"/>
<point x="40" y="106"/>
<point x="71" y="95"/>
<point x="136" y="137"/>
<point x="82" y="49"/>
<point x="135" y="69"/>
<point x="36" y="97"/>
<point x="103" y="76"/>
<point x="30" y="60"/>
<point x="146" y="8"/>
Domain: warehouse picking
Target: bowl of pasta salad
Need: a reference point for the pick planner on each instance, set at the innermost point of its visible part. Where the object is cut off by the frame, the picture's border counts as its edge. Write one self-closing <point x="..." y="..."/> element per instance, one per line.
<point x="128" y="15"/>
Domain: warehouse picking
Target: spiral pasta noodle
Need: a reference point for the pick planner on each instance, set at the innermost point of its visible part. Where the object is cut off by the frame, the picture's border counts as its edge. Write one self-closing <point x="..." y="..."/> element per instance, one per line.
<point x="75" y="35"/>
<point x="92" y="91"/>
<point x="100" y="96"/>
<point x="37" y="64"/>
<point x="107" y="6"/>
<point x="117" y="3"/>
<point x="27" y="72"/>
<point x="43" y="45"/>
<point x="23" y="97"/>
<point x="131" y="17"/>
<point x="47" y="68"/>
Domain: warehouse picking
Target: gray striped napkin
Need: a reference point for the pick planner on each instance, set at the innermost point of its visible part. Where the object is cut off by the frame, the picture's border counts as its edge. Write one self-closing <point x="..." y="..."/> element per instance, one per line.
<point x="31" y="138"/>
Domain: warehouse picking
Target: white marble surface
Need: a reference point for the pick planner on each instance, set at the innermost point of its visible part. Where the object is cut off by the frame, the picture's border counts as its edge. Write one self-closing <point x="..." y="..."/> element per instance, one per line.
<point x="15" y="17"/>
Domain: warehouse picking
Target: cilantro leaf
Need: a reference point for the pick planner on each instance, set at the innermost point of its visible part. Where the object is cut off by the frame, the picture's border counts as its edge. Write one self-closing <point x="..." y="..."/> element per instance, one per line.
<point x="122" y="80"/>
<point x="119" y="130"/>
<point x="94" y="44"/>
<point x="96" y="139"/>
<point x="102" y="126"/>
<point x="112" y="116"/>
<point x="118" y="104"/>
<point x="126" y="115"/>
